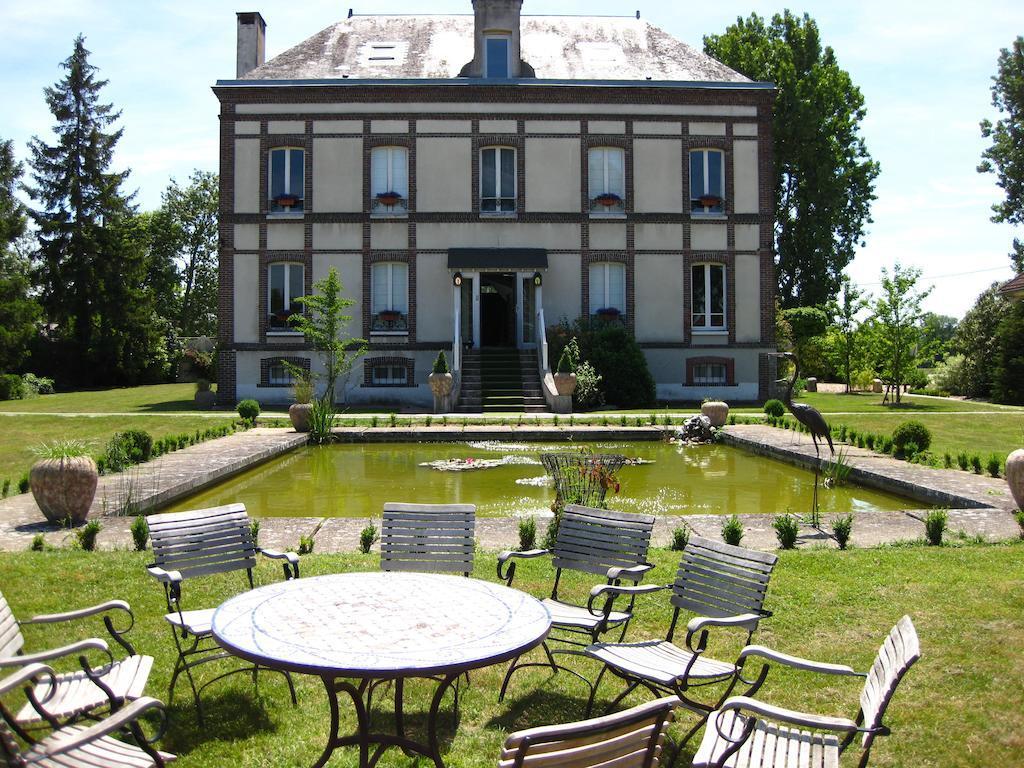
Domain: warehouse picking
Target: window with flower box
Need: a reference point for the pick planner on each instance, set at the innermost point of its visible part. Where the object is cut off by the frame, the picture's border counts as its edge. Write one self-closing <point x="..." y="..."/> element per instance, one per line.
<point x="287" y="179"/>
<point x="286" y="285"/>
<point x="389" y="181"/>
<point x="707" y="181"/>
<point x="608" y="290"/>
<point x="390" y="297"/>
<point x="606" y="179"/>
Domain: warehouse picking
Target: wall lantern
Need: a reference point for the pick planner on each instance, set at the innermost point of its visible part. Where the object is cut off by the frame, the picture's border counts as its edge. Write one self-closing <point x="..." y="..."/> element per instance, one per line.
<point x="537" y="280"/>
<point x="457" y="279"/>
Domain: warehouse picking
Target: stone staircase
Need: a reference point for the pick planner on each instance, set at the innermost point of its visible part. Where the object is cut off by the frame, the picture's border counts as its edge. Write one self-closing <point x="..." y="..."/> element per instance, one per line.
<point x="500" y="379"/>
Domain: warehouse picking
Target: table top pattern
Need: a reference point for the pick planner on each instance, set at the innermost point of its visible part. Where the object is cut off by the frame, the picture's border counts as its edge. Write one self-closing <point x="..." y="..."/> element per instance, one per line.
<point x="380" y="624"/>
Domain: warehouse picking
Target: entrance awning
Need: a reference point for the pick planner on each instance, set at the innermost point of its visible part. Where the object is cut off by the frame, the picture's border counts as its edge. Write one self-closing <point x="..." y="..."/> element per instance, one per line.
<point x="497" y="259"/>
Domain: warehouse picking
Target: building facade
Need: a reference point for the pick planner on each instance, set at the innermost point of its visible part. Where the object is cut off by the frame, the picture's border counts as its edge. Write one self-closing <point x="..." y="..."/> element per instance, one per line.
<point x="476" y="178"/>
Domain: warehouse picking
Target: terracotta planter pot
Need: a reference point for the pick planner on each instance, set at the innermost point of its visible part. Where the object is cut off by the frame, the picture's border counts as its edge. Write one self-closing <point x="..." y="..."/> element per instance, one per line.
<point x="565" y="383"/>
<point x="64" y="488"/>
<point x="716" y="411"/>
<point x="300" y="413"/>
<point x="441" y="384"/>
<point x="1015" y="476"/>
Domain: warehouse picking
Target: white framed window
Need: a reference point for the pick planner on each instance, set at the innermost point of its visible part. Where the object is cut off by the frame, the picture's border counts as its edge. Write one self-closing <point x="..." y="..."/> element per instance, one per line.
<point x="608" y="289"/>
<point x="707" y="293"/>
<point x="498" y="57"/>
<point x="286" y="285"/>
<point x="287" y="179"/>
<point x="710" y="374"/>
<point x="389" y="375"/>
<point x="389" y="180"/>
<point x="707" y="181"/>
<point x="389" y="296"/>
<point x="606" y="172"/>
<point x="279" y="376"/>
<point x="498" y="180"/>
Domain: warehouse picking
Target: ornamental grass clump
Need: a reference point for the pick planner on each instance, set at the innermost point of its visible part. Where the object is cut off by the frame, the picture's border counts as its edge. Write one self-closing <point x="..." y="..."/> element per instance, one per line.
<point x="527" y="533"/>
<point x="786" y="530"/>
<point x="935" y="526"/>
<point x="680" y="538"/>
<point x="842" y="528"/>
<point x="367" y="538"/>
<point x="732" y="530"/>
<point x="87" y="534"/>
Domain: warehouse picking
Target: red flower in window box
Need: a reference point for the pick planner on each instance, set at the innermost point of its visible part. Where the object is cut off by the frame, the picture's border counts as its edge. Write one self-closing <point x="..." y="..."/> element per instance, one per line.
<point x="608" y="199"/>
<point x="389" y="198"/>
<point x="710" y="201"/>
<point x="286" y="201"/>
<point x="389" y="315"/>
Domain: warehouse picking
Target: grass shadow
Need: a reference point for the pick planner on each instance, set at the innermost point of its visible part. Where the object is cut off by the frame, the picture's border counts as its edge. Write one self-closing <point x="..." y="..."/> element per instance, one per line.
<point x="539" y="706"/>
<point x="228" y="715"/>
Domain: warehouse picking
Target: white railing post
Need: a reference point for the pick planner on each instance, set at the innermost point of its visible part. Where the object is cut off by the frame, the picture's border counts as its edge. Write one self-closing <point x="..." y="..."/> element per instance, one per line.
<point x="457" y="332"/>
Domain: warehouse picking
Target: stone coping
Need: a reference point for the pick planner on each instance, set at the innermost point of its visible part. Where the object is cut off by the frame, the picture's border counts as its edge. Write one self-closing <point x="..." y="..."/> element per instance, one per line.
<point x="979" y="506"/>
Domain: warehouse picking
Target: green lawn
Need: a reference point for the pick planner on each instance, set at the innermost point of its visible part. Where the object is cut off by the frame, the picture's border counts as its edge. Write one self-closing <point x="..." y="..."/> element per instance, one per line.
<point x="962" y="705"/>
<point x="22" y="433"/>
<point x="156" y="398"/>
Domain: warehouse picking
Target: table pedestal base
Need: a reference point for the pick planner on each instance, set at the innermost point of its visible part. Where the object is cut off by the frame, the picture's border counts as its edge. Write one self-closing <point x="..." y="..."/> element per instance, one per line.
<point x="364" y="738"/>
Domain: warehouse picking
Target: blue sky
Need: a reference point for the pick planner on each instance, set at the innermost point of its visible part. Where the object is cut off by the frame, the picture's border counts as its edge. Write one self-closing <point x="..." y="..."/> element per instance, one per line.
<point x="925" y="71"/>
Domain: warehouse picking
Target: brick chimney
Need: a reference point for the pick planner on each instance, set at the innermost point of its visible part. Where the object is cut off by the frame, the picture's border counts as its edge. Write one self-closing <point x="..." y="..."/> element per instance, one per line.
<point x="496" y="52"/>
<point x="252" y="35"/>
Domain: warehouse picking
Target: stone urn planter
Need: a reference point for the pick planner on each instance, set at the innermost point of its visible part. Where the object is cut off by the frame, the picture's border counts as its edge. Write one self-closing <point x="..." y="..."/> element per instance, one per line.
<point x="716" y="411"/>
<point x="565" y="383"/>
<point x="205" y="399"/>
<point x="300" y="414"/>
<point x="64" y="488"/>
<point x="1015" y="476"/>
<point x="441" y="385"/>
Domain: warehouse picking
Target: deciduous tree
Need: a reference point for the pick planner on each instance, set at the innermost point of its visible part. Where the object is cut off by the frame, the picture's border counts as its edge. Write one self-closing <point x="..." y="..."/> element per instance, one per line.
<point x="976" y="337"/>
<point x="825" y="177"/>
<point x="846" y="326"/>
<point x="898" y="314"/>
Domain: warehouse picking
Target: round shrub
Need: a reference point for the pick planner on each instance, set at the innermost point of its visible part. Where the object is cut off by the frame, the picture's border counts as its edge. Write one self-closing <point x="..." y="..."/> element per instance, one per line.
<point x="774" y="408"/>
<point x="911" y="432"/>
<point x="248" y="410"/>
<point x="11" y="387"/>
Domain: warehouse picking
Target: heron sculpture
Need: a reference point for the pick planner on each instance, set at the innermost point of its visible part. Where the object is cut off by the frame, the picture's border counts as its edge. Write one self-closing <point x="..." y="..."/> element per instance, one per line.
<point x="811" y="418"/>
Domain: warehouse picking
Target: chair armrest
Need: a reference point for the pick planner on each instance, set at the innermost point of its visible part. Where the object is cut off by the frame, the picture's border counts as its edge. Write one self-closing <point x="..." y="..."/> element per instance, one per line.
<point x="164" y="577"/>
<point x="504" y="557"/>
<point x="796" y="662"/>
<point x="63" y="741"/>
<point x="781" y="714"/>
<point x="53" y="618"/>
<point x="614" y="590"/>
<point x="291" y="564"/>
<point x="698" y="623"/>
<point x="633" y="573"/>
<point x="24" y="675"/>
<point x="93" y="644"/>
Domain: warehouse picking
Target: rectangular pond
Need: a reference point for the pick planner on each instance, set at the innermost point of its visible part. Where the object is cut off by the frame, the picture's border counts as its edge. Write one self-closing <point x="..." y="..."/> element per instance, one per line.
<point x="502" y="479"/>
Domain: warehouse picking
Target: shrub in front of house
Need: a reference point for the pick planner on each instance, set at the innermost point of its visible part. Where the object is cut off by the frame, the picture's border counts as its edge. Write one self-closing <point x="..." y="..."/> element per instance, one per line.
<point x="11" y="387"/>
<point x="618" y="359"/>
<point x="774" y="408"/>
<point x="249" y="410"/>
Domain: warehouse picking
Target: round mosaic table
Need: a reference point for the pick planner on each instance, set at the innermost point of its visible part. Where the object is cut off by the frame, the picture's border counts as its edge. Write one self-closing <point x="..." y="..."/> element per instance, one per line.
<point x="374" y="627"/>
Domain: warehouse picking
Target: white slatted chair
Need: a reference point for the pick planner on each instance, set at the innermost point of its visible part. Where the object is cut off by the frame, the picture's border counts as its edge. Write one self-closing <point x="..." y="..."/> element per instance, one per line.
<point x="633" y="738"/>
<point x="71" y="695"/>
<point x="431" y="538"/>
<point x="203" y="542"/>
<point x="599" y="542"/>
<point x="724" y="586"/>
<point x="746" y="733"/>
<point x="76" y="746"/>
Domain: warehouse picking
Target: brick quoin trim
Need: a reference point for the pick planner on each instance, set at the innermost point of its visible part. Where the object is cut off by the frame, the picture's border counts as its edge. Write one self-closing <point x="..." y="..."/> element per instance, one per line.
<point x="728" y="362"/>
<point x="268" y="362"/>
<point x="370" y="363"/>
<point x="227" y="383"/>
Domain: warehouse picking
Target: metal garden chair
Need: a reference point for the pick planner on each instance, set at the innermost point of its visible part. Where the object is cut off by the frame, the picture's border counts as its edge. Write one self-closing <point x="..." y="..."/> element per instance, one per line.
<point x="744" y="732"/>
<point x="202" y="542"/>
<point x="599" y="542"/>
<point x="432" y="538"/>
<point x="634" y="738"/>
<point x="725" y="587"/>
<point x="70" y="695"/>
<point x="76" y="746"/>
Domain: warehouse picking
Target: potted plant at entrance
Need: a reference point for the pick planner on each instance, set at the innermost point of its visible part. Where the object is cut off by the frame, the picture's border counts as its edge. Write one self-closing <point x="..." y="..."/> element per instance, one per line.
<point x="441" y="382"/>
<point x="301" y="410"/>
<point x="63" y="481"/>
<point x="565" y="379"/>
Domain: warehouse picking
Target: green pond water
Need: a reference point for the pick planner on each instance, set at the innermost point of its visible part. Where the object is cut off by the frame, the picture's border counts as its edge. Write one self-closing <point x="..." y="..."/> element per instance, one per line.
<point x="356" y="481"/>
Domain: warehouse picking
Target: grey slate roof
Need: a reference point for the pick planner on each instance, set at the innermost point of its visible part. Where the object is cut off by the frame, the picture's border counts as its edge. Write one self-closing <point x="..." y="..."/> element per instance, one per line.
<point x="557" y="47"/>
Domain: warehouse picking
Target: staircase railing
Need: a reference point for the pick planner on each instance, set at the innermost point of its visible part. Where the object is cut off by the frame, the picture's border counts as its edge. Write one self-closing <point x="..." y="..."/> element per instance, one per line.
<point x="542" y="344"/>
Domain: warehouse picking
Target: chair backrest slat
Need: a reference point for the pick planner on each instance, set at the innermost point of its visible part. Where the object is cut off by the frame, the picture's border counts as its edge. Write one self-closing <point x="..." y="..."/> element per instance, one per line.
<point x="428" y="538"/>
<point x="203" y="541"/>
<point x="633" y="738"/>
<point x="717" y="580"/>
<point x="593" y="540"/>
<point x="897" y="654"/>
<point x="11" y="639"/>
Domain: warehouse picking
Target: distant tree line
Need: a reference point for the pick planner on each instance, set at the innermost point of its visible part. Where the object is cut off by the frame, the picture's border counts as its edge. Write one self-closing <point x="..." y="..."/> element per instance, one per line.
<point x="92" y="291"/>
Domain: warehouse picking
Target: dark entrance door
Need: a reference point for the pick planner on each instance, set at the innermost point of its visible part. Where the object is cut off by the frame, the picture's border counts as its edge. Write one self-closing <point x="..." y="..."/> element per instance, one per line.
<point x="497" y="309"/>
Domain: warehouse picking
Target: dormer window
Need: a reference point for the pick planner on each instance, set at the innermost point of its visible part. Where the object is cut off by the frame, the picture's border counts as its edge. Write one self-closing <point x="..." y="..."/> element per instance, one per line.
<point x="497" y="57"/>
